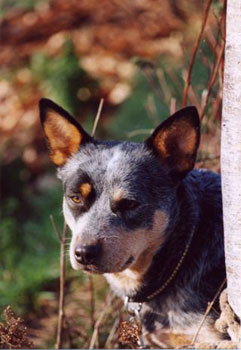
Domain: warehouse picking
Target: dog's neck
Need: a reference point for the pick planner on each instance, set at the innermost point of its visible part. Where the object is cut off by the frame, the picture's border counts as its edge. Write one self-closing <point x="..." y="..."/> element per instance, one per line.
<point x="129" y="281"/>
<point x="160" y="268"/>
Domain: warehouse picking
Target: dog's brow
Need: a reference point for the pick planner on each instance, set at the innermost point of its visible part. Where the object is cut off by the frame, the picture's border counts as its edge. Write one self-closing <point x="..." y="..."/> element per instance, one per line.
<point x="80" y="183"/>
<point x="85" y="189"/>
<point x="118" y="194"/>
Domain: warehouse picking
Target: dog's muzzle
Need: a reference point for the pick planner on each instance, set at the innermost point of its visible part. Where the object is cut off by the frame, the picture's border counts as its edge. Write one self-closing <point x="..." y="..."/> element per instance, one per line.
<point x="88" y="254"/>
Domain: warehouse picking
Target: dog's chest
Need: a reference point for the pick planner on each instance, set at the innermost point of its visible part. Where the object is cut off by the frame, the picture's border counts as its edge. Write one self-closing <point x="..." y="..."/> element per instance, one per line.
<point x="124" y="283"/>
<point x="169" y="326"/>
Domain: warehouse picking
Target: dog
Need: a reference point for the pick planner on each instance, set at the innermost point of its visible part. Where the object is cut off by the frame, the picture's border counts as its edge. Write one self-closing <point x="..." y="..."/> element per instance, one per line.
<point x="142" y="216"/>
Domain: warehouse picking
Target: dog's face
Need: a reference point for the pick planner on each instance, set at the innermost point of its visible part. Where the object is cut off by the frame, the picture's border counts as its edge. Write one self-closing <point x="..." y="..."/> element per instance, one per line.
<point x="119" y="197"/>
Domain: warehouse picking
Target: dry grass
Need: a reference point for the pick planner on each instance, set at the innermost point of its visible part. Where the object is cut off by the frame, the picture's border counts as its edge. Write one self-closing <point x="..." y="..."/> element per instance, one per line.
<point x="13" y="333"/>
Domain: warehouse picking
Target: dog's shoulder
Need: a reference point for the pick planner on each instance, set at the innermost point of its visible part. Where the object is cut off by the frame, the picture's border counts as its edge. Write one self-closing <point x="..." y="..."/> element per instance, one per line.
<point x="205" y="185"/>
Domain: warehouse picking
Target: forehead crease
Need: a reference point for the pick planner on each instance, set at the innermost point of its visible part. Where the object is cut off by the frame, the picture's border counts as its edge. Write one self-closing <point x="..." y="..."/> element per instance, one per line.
<point x="119" y="165"/>
<point x="93" y="167"/>
<point x="113" y="166"/>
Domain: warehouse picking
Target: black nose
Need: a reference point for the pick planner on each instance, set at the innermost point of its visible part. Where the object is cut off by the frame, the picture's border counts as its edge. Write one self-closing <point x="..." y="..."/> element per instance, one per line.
<point x="87" y="254"/>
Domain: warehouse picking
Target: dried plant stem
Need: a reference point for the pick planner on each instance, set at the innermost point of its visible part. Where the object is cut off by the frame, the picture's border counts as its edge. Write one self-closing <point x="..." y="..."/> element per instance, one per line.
<point x="221" y="24"/>
<point x="61" y="314"/>
<point x="61" y="288"/>
<point x="92" y="301"/>
<point x="151" y="110"/>
<point x="193" y="98"/>
<point x="139" y="132"/>
<point x="112" y="333"/>
<point x="97" y="116"/>
<point x="213" y="79"/>
<point x="105" y="311"/>
<point x="148" y="73"/>
<point x="209" y="307"/>
<point x="194" y="53"/>
<point x="173" y="104"/>
<point x="55" y="227"/>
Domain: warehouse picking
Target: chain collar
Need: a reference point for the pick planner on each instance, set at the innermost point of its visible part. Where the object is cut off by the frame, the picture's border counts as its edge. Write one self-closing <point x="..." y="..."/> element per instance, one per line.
<point x="174" y="273"/>
<point x="177" y="268"/>
<point x="134" y="308"/>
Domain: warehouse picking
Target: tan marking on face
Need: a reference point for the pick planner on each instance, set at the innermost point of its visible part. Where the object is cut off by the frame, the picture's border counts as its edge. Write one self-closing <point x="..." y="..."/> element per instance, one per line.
<point x="64" y="138"/>
<point x="85" y="189"/>
<point x="155" y="239"/>
<point x="144" y="245"/>
<point x="118" y="194"/>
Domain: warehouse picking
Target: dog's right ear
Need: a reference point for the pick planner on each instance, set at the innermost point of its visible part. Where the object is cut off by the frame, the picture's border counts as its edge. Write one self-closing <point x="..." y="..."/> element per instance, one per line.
<point x="63" y="133"/>
<point x="175" y="141"/>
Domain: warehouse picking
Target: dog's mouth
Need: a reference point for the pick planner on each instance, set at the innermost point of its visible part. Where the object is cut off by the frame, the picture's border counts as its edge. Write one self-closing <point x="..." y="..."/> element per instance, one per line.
<point x="128" y="262"/>
<point x="92" y="269"/>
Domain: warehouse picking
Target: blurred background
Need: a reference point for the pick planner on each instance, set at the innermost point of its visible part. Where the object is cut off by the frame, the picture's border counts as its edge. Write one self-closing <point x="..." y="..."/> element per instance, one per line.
<point x="136" y="55"/>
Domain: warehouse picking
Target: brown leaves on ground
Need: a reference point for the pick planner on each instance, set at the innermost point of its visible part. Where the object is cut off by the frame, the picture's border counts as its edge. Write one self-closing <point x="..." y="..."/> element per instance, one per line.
<point x="13" y="334"/>
<point x="119" y="26"/>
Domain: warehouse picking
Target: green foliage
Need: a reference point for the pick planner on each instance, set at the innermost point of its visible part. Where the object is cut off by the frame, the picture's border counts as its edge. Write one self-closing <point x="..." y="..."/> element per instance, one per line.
<point x="166" y="83"/>
<point x="7" y="5"/>
<point x="29" y="250"/>
<point x="62" y="77"/>
<point x="133" y="119"/>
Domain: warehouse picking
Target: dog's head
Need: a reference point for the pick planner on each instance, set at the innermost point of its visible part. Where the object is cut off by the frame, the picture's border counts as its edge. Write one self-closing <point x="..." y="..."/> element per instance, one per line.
<point x="119" y="197"/>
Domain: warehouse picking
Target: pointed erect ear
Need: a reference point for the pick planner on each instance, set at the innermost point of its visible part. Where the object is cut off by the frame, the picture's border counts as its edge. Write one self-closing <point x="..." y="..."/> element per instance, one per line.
<point x="63" y="133"/>
<point x="176" y="141"/>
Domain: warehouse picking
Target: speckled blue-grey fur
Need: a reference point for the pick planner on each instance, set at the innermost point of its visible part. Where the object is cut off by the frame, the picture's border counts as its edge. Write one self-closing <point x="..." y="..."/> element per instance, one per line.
<point x="141" y="247"/>
<point x="133" y="167"/>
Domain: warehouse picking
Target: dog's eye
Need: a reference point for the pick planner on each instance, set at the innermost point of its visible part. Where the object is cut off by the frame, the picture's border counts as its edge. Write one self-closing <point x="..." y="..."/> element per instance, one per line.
<point x="124" y="205"/>
<point x="76" y="199"/>
<point x="129" y="204"/>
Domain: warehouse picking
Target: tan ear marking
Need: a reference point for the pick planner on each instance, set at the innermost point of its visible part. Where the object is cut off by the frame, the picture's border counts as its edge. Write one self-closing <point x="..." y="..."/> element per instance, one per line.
<point x="180" y="134"/>
<point x="176" y="141"/>
<point x="85" y="189"/>
<point x="64" y="138"/>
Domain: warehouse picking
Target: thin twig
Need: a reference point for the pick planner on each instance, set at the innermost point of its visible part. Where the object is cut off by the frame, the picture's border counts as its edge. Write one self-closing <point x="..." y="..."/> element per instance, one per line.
<point x="173" y="104"/>
<point x="194" y="52"/>
<point x="193" y="98"/>
<point x="97" y="116"/>
<point x="61" y="314"/>
<point x="209" y="307"/>
<point x="112" y="333"/>
<point x="163" y="85"/>
<point x="212" y="79"/>
<point x="220" y="23"/>
<point x="105" y="311"/>
<point x="148" y="70"/>
<point x="56" y="230"/>
<point x="139" y="132"/>
<point x="92" y="301"/>
<point x="151" y="110"/>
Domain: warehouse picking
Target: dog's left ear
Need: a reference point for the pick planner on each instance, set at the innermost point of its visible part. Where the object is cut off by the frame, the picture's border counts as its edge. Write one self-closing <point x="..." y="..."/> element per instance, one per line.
<point x="176" y="141"/>
<point x="63" y="133"/>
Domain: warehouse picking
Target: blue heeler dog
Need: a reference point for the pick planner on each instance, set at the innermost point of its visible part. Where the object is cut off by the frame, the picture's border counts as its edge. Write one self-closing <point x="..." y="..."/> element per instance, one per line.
<point x="141" y="215"/>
